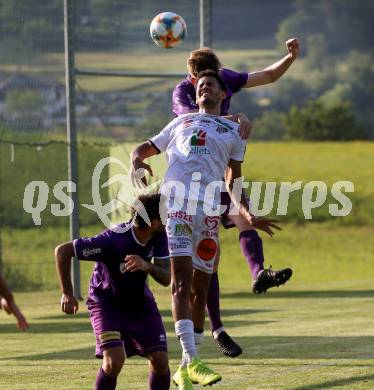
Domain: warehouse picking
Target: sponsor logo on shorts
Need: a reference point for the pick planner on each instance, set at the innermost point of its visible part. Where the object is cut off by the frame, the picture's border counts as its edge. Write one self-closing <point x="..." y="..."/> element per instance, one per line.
<point x="106" y="337"/>
<point x="162" y="337"/>
<point x="182" y="230"/>
<point x="207" y="249"/>
<point x="181" y="215"/>
<point x="212" y="222"/>
<point x="93" y="251"/>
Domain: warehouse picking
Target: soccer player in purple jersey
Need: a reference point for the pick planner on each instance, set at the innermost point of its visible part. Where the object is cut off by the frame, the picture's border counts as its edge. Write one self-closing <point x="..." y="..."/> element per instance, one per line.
<point x="184" y="101"/>
<point x="8" y="304"/>
<point x="199" y="146"/>
<point x="124" y="314"/>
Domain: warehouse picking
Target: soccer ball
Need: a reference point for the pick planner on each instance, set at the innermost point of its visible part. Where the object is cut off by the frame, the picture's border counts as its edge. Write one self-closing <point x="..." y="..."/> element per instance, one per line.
<point x="168" y="30"/>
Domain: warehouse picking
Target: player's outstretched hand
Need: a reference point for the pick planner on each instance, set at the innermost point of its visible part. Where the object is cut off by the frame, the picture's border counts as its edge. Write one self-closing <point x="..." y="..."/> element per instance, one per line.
<point x="245" y="126"/>
<point x="265" y="224"/>
<point x="10" y="307"/>
<point x="69" y="304"/>
<point x="293" y="47"/>
<point x="136" y="263"/>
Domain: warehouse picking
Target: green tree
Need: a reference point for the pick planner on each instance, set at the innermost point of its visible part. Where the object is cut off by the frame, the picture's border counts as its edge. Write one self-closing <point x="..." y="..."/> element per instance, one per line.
<point x="318" y="122"/>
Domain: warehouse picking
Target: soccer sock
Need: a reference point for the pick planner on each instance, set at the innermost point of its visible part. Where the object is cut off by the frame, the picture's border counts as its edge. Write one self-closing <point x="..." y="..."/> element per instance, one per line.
<point x="212" y="303"/>
<point x="251" y="246"/>
<point x="104" y="381"/>
<point x="184" y="330"/>
<point x="199" y="338"/>
<point x="158" y="381"/>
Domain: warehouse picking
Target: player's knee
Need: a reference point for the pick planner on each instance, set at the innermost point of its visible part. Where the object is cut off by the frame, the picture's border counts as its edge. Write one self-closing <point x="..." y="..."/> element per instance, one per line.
<point x="159" y="362"/>
<point x="113" y="363"/>
<point x="199" y="297"/>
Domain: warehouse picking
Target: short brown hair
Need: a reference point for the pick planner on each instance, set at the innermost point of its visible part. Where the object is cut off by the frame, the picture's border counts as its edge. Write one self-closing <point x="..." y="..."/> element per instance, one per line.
<point x="212" y="73"/>
<point x="151" y="203"/>
<point x="202" y="59"/>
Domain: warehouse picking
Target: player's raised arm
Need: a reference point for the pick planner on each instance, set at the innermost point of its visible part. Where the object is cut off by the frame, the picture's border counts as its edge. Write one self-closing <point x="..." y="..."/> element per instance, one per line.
<point x="139" y="154"/>
<point x="275" y="71"/>
<point x="63" y="255"/>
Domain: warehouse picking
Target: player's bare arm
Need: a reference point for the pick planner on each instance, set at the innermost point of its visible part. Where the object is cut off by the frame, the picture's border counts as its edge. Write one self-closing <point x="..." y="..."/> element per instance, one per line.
<point x="137" y="157"/>
<point x="63" y="255"/>
<point x="232" y="173"/>
<point x="159" y="269"/>
<point x="275" y="71"/>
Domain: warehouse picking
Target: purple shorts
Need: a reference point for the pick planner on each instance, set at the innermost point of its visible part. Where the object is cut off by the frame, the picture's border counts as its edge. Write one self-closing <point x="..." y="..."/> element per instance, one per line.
<point x="139" y="333"/>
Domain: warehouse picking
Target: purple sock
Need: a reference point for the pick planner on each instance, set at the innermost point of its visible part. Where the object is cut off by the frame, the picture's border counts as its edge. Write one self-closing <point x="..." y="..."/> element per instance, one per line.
<point x="104" y="381"/>
<point x="212" y="304"/>
<point x="159" y="382"/>
<point x="251" y="245"/>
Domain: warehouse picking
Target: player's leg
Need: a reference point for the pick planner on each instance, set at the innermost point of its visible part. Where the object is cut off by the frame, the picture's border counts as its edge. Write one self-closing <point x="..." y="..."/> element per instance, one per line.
<point x="113" y="359"/>
<point x="159" y="374"/>
<point x="252" y="249"/>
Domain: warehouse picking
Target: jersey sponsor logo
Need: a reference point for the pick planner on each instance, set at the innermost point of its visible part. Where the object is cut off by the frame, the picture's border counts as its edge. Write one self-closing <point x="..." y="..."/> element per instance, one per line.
<point x="198" y="138"/>
<point x="197" y="143"/>
<point x="224" y="124"/>
<point x="222" y="130"/>
<point x="180" y="214"/>
<point x="187" y="123"/>
<point x="182" y="230"/>
<point x="207" y="249"/>
<point x="93" y="251"/>
<point x="106" y="337"/>
<point x="212" y="222"/>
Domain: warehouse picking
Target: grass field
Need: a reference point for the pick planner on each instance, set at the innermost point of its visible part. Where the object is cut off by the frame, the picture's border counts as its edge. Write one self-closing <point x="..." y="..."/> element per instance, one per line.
<point x="303" y="336"/>
<point x="317" y="332"/>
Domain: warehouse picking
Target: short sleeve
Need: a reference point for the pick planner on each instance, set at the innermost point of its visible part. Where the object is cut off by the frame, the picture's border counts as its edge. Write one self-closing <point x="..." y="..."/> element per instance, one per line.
<point x="160" y="246"/>
<point x="184" y="99"/>
<point x="162" y="139"/>
<point x="234" y="80"/>
<point x="94" y="248"/>
<point x="238" y="150"/>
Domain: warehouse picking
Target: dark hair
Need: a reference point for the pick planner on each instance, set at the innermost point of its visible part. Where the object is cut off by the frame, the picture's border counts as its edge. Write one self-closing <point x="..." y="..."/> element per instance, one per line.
<point x="212" y="73"/>
<point x="202" y="59"/>
<point x="151" y="203"/>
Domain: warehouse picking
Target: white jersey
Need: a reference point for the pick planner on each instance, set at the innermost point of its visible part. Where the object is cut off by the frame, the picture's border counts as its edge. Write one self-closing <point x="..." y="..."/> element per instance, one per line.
<point x="203" y="143"/>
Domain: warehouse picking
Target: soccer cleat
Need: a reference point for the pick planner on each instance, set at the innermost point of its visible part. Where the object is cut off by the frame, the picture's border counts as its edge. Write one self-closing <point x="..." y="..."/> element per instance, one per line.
<point x="198" y="372"/>
<point x="227" y="345"/>
<point x="181" y="379"/>
<point x="268" y="278"/>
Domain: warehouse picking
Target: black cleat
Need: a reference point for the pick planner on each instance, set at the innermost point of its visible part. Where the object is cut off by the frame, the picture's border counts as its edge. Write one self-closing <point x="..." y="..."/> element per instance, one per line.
<point x="227" y="345"/>
<point x="268" y="278"/>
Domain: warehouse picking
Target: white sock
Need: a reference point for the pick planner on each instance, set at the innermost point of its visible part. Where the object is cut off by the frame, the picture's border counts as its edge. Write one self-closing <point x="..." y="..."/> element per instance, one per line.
<point x="184" y="330"/>
<point x="199" y="338"/>
<point x="218" y="331"/>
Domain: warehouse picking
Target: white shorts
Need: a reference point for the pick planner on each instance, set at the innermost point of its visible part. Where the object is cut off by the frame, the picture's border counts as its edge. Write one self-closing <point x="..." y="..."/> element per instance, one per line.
<point x="195" y="236"/>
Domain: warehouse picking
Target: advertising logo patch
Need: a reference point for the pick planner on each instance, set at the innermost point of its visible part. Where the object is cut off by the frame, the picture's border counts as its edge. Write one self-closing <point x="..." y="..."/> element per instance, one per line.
<point x="207" y="249"/>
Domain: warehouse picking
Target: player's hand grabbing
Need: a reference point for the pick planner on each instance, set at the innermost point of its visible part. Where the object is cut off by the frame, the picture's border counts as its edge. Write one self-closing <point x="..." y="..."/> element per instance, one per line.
<point x="137" y="172"/>
<point x="265" y="224"/>
<point x="136" y="263"/>
<point x="293" y="47"/>
<point x="245" y="126"/>
<point x="10" y="307"/>
<point x="69" y="304"/>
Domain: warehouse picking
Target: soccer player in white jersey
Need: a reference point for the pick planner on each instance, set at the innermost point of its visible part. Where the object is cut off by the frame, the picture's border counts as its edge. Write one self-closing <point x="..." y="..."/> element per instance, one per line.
<point x="199" y="147"/>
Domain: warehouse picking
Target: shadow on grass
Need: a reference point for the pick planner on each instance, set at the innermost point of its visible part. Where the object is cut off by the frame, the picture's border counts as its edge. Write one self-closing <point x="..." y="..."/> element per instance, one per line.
<point x="50" y="327"/>
<point x="302" y="294"/>
<point x="254" y="348"/>
<point x="336" y="382"/>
